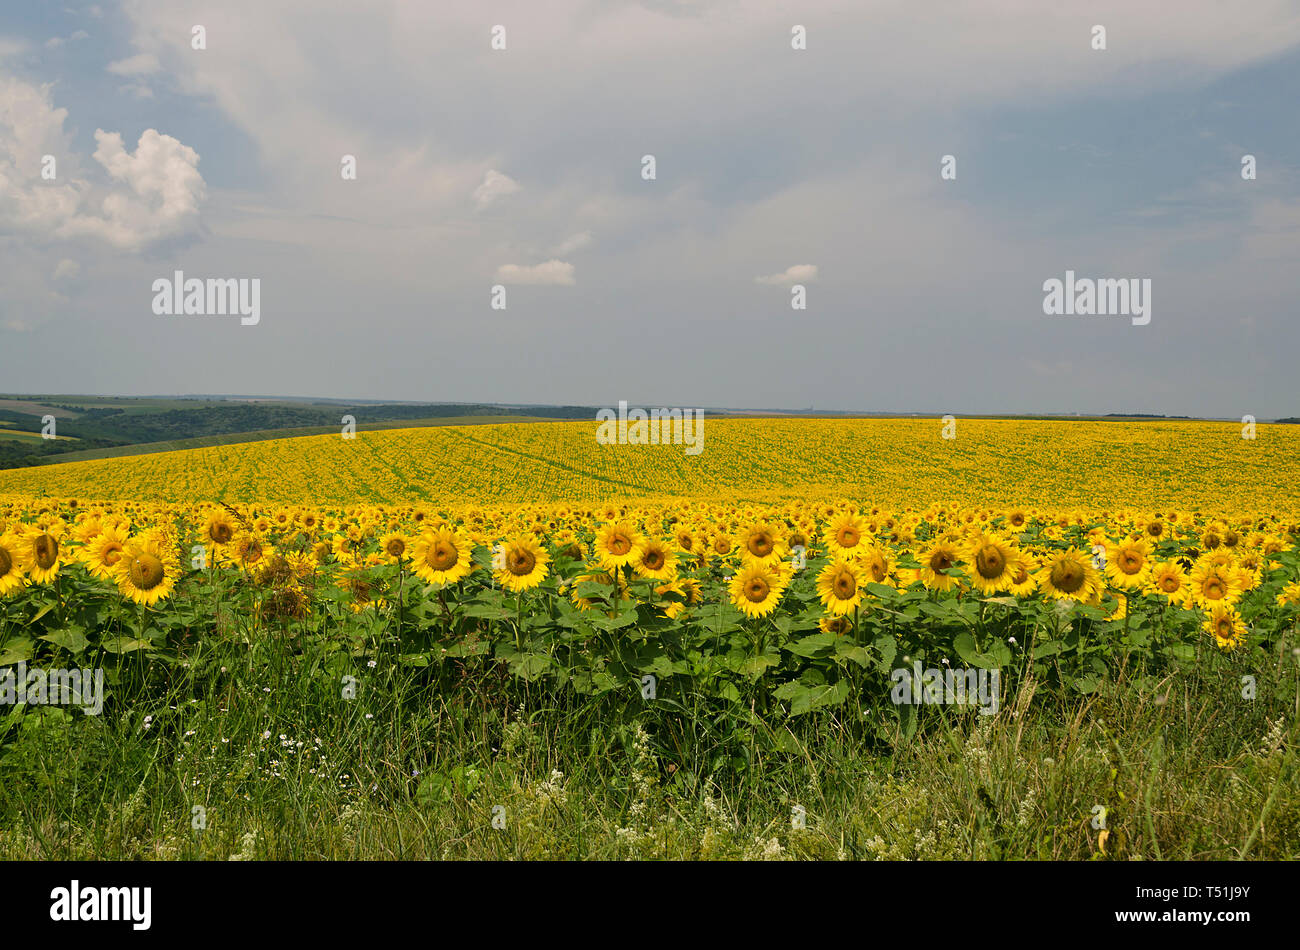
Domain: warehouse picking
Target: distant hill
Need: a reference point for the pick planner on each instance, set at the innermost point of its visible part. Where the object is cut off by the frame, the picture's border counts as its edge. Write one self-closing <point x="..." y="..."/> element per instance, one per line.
<point x="97" y="426"/>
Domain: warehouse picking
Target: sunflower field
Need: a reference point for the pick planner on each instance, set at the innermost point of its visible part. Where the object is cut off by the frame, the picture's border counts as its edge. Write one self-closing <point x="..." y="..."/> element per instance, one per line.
<point x="750" y="619"/>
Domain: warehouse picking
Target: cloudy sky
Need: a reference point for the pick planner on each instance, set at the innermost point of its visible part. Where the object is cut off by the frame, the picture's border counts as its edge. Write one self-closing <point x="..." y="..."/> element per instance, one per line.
<point x="775" y="166"/>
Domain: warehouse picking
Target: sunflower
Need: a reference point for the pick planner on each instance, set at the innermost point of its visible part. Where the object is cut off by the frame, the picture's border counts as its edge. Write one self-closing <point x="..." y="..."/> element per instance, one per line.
<point x="838" y="625"/>
<point x="1128" y="564"/>
<point x="11" y="574"/>
<point x="247" y="551"/>
<point x="761" y="543"/>
<point x="845" y="535"/>
<point x="219" y="530"/>
<point x="1023" y="581"/>
<point x="840" y="586"/>
<point x="1214" y="584"/>
<point x="686" y="588"/>
<point x="395" y="547"/>
<point x="992" y="559"/>
<point x="441" y="556"/>
<point x="875" y="565"/>
<point x="524" y="563"/>
<point x="617" y="544"/>
<point x="941" y="557"/>
<point x="1070" y="574"/>
<point x="40" y="555"/>
<point x="1290" y="593"/>
<point x="102" y="552"/>
<point x="657" y="561"/>
<point x="147" y="571"/>
<point x="1225" y="626"/>
<point x="756" y="589"/>
<point x="1170" y="581"/>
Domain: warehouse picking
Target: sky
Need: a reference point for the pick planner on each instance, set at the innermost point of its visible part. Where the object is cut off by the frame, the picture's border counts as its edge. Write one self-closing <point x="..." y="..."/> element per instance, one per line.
<point x="775" y="166"/>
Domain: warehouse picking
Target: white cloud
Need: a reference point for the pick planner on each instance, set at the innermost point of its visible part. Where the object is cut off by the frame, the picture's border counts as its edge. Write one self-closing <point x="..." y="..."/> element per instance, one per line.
<point x="796" y="274"/>
<point x="574" y="243"/>
<point x="142" y="64"/>
<point x="66" y="268"/>
<point x="151" y="194"/>
<point x="556" y="273"/>
<point x="495" y="185"/>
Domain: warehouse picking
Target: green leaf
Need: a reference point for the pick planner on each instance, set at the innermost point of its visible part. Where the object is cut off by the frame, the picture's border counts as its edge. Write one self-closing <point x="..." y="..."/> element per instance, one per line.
<point x="70" y="638"/>
<point x="819" y="644"/>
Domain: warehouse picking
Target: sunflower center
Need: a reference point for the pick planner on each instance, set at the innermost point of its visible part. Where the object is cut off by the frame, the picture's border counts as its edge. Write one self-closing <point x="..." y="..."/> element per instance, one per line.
<point x="940" y="561"/>
<point x="221" y="533"/>
<point x="653" y="559"/>
<point x="1213" y="589"/>
<point x="1224" y="628"/>
<point x="442" y="556"/>
<point x="760" y="544"/>
<point x="145" y="571"/>
<point x="1169" y="583"/>
<point x="396" y="547"/>
<point x="756" y="590"/>
<point x="847" y="537"/>
<point x="6" y="562"/>
<point x="990" y="563"/>
<point x="722" y="545"/>
<point x="1067" y="576"/>
<point x="1130" y="563"/>
<point x="47" y="551"/>
<point x="845" y="585"/>
<point x="878" y="571"/>
<point x="520" y="562"/>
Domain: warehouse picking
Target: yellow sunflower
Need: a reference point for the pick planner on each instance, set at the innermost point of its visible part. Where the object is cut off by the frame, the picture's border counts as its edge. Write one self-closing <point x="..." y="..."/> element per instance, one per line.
<point x="1070" y="574"/>
<point x="524" y="564"/>
<point x="1225" y="626"/>
<point x="219" y="531"/>
<point x="40" y="555"/>
<point x="11" y="573"/>
<point x="395" y="547"/>
<point x="941" y="557"/>
<point x="1170" y="581"/>
<point x="840" y="586"/>
<point x="617" y="544"/>
<point x="1128" y="564"/>
<point x="657" y="561"/>
<point x="756" y="589"/>
<point x="441" y="556"/>
<point x="103" y="551"/>
<point x="846" y="536"/>
<point x="1023" y="569"/>
<point x="1214" y="584"/>
<point x="761" y="542"/>
<point x="992" y="561"/>
<point x="147" y="571"/>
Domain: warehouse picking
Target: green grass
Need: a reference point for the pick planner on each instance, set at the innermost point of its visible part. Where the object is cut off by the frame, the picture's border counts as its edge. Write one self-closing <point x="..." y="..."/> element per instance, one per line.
<point x="415" y="765"/>
<point x="19" y="436"/>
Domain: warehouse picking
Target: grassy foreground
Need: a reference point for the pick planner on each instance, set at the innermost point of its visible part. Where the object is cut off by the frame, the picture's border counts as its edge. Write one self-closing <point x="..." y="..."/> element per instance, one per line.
<point x="257" y="754"/>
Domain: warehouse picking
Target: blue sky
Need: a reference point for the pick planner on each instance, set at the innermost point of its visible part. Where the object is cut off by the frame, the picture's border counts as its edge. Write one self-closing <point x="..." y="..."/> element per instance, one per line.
<point x="927" y="294"/>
